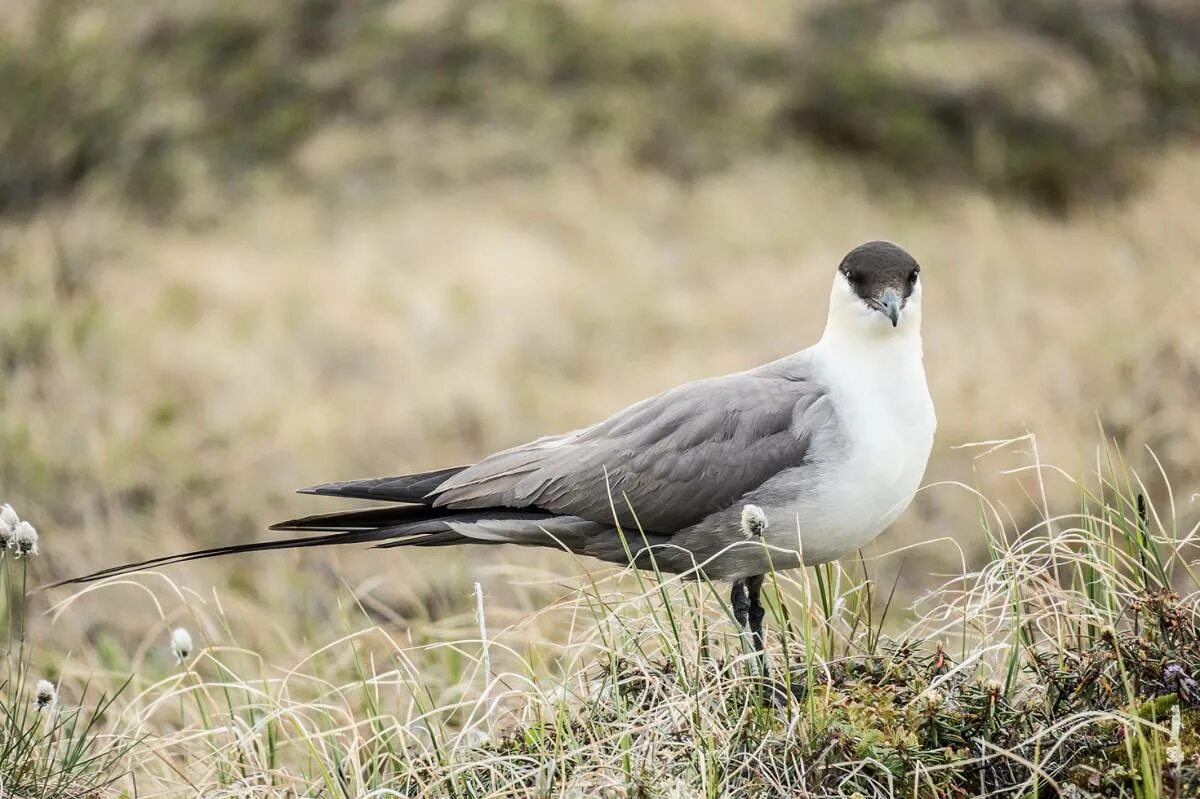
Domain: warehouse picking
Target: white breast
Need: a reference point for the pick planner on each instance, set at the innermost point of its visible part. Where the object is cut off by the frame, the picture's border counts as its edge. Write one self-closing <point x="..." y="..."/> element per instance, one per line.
<point x="869" y="476"/>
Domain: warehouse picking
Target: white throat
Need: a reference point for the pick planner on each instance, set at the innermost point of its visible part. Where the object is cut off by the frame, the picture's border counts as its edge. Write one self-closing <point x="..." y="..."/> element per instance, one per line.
<point x="851" y="325"/>
<point x="876" y="375"/>
<point x="877" y="370"/>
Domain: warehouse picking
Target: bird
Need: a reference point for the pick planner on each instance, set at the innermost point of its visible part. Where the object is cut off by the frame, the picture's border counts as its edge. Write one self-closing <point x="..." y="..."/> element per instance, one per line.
<point x="797" y="462"/>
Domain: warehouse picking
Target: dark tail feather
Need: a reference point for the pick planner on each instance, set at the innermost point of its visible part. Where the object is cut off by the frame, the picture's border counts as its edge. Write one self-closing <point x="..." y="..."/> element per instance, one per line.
<point x="401" y="520"/>
<point x="355" y="537"/>
<point x="404" y="488"/>
<point x="447" y="538"/>
<point x="394" y="526"/>
<point x="369" y="519"/>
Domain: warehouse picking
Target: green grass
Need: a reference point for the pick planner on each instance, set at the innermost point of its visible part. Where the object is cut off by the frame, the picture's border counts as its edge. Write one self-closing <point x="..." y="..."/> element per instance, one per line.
<point x="1058" y="666"/>
<point x="49" y="746"/>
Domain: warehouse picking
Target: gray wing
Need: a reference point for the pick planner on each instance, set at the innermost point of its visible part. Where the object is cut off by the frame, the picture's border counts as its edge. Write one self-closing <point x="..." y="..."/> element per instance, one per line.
<point x="675" y="458"/>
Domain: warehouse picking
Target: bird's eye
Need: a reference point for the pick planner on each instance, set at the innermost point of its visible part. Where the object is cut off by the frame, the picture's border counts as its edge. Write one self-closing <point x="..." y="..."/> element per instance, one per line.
<point x="912" y="276"/>
<point x="851" y="278"/>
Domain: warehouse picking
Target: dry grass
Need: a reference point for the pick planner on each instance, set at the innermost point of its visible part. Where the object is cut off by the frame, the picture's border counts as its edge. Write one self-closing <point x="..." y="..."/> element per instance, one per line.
<point x="170" y="385"/>
<point x="166" y="384"/>
<point x="1058" y="667"/>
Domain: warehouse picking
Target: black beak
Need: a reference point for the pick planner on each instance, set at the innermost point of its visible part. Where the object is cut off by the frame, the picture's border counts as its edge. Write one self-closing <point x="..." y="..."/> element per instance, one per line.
<point x="889" y="304"/>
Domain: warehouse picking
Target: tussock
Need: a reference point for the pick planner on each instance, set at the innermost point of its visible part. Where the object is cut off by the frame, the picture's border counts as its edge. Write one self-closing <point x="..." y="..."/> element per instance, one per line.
<point x="1067" y="665"/>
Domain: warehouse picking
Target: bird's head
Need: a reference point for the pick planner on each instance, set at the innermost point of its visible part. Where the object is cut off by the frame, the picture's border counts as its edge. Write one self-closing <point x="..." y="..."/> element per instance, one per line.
<point x="877" y="291"/>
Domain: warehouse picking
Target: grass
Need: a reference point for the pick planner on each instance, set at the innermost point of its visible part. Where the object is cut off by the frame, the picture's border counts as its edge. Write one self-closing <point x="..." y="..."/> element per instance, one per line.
<point x="1067" y="665"/>
<point x="452" y="305"/>
<point x="418" y="270"/>
<point x="49" y="747"/>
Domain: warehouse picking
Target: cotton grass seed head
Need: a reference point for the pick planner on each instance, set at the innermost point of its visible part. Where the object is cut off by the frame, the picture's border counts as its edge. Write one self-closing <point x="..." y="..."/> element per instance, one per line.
<point x="181" y="643"/>
<point x="754" y="521"/>
<point x="23" y="540"/>
<point x="8" y="522"/>
<point x="44" y="694"/>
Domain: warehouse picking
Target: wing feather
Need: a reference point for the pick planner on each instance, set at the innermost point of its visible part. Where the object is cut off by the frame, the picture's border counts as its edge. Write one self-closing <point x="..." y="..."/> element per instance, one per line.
<point x="675" y="458"/>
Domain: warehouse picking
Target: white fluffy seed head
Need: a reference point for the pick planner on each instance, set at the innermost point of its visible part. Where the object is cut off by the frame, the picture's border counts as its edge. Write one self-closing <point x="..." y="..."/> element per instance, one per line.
<point x="8" y="522"/>
<point x="754" y="521"/>
<point x="181" y="643"/>
<point x="23" y="540"/>
<point x="44" y="694"/>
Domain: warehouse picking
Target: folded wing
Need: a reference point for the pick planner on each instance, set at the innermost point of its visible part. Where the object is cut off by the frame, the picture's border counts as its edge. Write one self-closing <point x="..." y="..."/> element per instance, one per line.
<point x="663" y="464"/>
<point x="673" y="459"/>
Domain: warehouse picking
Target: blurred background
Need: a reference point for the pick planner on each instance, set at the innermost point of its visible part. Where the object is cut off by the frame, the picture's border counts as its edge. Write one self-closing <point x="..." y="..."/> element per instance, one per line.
<point x="246" y="247"/>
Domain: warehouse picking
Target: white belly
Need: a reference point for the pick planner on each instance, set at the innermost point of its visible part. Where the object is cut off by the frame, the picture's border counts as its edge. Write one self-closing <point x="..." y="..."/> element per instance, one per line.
<point x="867" y="493"/>
<point x="868" y="478"/>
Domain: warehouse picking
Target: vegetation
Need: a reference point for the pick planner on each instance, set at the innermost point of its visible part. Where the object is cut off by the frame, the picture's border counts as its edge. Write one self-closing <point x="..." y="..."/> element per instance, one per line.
<point x="245" y="248"/>
<point x="1068" y="665"/>
<point x="1046" y="101"/>
<point x="1058" y="118"/>
<point x="48" y="747"/>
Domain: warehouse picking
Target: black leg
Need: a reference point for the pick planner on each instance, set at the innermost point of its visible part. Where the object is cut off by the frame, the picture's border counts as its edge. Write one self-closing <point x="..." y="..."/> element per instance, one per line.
<point x="755" y="615"/>
<point x="748" y="613"/>
<point x="775" y="693"/>
<point x="739" y="600"/>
